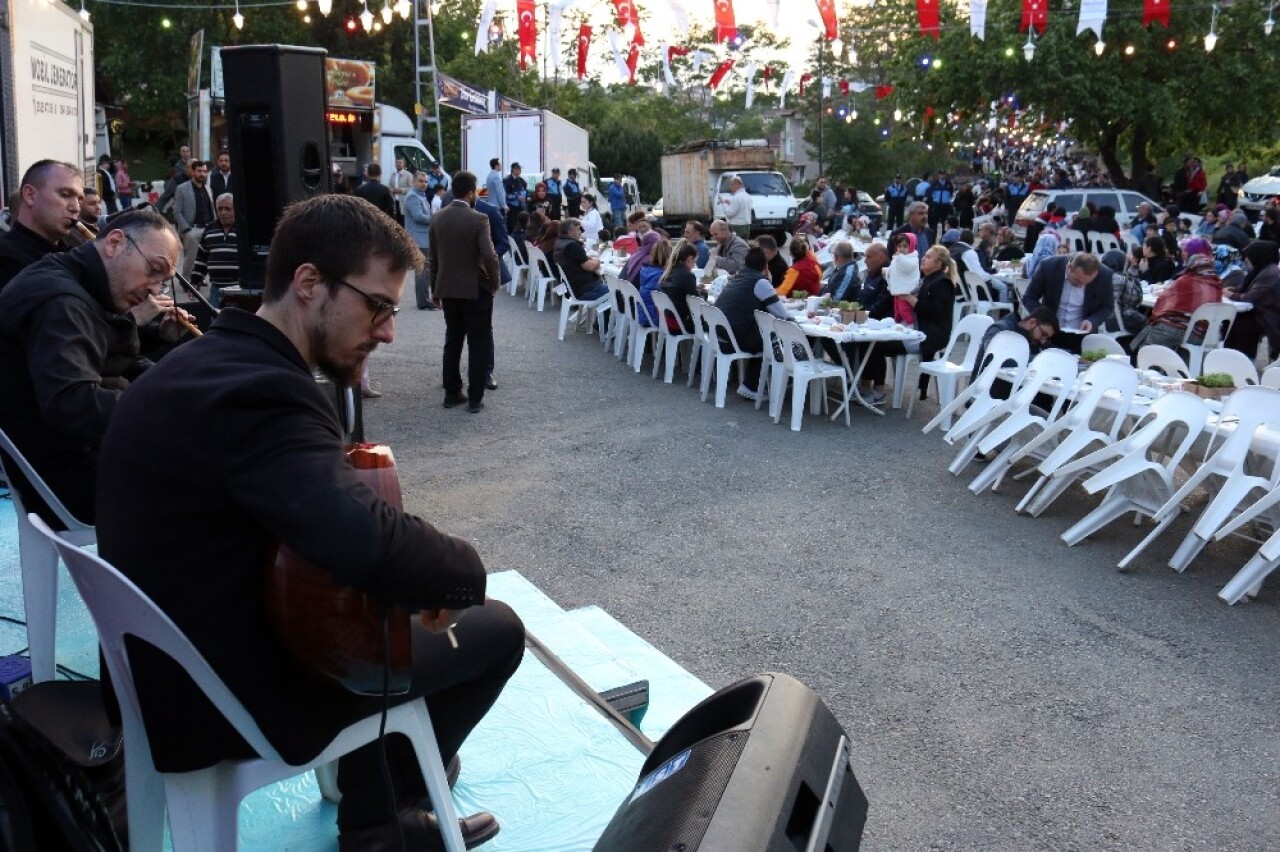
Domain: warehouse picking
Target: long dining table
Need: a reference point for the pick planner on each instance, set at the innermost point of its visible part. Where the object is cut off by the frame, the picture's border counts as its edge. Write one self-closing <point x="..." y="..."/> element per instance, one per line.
<point x="819" y="328"/>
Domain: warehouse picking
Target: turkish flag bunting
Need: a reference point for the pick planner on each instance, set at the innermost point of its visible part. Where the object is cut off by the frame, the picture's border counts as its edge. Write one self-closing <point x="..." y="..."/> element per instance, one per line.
<point x="883" y="92"/>
<point x="633" y="56"/>
<point x="804" y="78"/>
<point x="528" y="32"/>
<point x="827" y="9"/>
<point x="1035" y="13"/>
<point x="927" y="10"/>
<point x="726" y="27"/>
<point x="844" y="87"/>
<point x="768" y="72"/>
<point x="673" y="52"/>
<point x="1155" y="10"/>
<point x="718" y="75"/>
<point x="584" y="45"/>
<point x="627" y="15"/>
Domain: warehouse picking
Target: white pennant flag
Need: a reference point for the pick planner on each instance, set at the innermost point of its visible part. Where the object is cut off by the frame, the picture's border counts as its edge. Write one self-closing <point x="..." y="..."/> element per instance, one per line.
<point x="482" y="31"/>
<point x="787" y="79"/>
<point x="751" y="84"/>
<point x="1093" y="13"/>
<point x="775" y="10"/>
<point x="699" y="56"/>
<point x="666" y="67"/>
<point x="679" y="15"/>
<point x="978" y="19"/>
<point x="623" y="72"/>
<point x="554" y="13"/>
<point x="826" y="87"/>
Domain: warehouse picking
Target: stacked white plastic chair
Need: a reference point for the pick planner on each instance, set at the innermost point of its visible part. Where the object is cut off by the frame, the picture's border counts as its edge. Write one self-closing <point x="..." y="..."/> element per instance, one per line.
<point x="1139" y="471"/>
<point x="700" y="359"/>
<point x="1235" y="364"/>
<point x="946" y="373"/>
<point x="773" y="370"/>
<point x="1218" y="317"/>
<point x="1165" y="360"/>
<point x="1104" y="342"/>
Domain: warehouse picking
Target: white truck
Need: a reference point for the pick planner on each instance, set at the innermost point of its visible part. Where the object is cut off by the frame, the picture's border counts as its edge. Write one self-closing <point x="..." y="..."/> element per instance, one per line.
<point x="49" y="49"/>
<point x="381" y="136"/>
<point x="539" y="140"/>
<point x="696" y="176"/>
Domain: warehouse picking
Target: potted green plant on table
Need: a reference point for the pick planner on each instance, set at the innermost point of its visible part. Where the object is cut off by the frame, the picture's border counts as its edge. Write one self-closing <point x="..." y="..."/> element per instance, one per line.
<point x="1213" y="385"/>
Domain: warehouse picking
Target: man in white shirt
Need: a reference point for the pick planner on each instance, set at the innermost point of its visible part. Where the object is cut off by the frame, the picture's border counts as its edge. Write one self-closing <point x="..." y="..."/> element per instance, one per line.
<point x="737" y="208"/>
<point x="400" y="184"/>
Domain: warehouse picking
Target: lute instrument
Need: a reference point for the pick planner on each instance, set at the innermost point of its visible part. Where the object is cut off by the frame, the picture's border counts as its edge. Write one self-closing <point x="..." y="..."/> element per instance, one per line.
<point x="338" y="632"/>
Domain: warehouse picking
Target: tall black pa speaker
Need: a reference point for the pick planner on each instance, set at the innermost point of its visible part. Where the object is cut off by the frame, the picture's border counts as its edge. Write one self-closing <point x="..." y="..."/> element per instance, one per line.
<point x="759" y="765"/>
<point x="275" y="105"/>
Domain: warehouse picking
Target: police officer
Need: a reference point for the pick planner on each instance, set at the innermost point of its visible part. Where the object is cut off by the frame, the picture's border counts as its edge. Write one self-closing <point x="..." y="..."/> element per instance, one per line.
<point x="895" y="196"/>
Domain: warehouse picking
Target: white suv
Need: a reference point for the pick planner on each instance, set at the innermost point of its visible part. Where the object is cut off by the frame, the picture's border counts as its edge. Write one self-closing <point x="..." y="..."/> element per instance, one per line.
<point x="1255" y="194"/>
<point x="1124" y="201"/>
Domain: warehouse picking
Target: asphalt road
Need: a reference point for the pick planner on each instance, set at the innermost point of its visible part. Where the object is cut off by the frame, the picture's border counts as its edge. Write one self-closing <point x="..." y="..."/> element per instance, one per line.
<point x="1001" y="690"/>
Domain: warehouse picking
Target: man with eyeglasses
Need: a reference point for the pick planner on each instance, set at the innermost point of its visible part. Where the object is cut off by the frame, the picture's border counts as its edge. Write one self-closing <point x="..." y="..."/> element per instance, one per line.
<point x="464" y="268"/>
<point x="1079" y="290"/>
<point x="271" y="469"/>
<point x="70" y="346"/>
<point x="1038" y="327"/>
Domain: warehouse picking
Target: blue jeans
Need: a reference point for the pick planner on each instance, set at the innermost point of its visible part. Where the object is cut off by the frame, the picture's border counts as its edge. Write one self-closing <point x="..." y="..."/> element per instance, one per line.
<point x="619" y="216"/>
<point x="597" y="292"/>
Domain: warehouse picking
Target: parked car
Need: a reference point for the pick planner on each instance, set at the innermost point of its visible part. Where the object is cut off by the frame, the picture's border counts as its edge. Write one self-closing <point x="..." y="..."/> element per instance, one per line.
<point x="1124" y="201"/>
<point x="1255" y="194"/>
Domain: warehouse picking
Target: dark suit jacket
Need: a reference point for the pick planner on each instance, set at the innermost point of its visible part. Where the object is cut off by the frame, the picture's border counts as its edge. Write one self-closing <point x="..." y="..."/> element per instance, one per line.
<point x="218" y="184"/>
<point x="270" y="469"/>
<point x="377" y="194"/>
<point x="1049" y="279"/>
<point x="461" y="255"/>
<point x="498" y="234"/>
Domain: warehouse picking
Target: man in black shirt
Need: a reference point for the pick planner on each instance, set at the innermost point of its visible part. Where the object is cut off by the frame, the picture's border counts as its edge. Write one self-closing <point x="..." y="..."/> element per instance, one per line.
<point x="50" y="193"/>
<point x="571" y="257"/>
<point x="777" y="267"/>
<point x="375" y="192"/>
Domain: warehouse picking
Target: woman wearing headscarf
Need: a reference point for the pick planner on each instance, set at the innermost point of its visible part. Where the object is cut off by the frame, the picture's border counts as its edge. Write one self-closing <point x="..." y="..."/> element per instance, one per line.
<point x="631" y="271"/>
<point x="1046" y="247"/>
<point x="1259" y="288"/>
<point x="808" y="226"/>
<point x="540" y="201"/>
<point x="1197" y="285"/>
<point x="1230" y="266"/>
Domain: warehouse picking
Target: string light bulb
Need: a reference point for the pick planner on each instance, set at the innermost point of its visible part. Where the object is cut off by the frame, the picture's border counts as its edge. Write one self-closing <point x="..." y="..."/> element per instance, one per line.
<point x="1099" y="46"/>
<point x="237" y="18"/>
<point x="377" y="26"/>
<point x="366" y="19"/>
<point x="386" y="12"/>
<point x="1211" y="40"/>
<point x="301" y="5"/>
<point x="403" y="8"/>
<point x="1029" y="49"/>
<point x="1128" y="50"/>
<point x="325" y="7"/>
<point x="897" y="115"/>
<point x="84" y="13"/>
<point x="306" y="19"/>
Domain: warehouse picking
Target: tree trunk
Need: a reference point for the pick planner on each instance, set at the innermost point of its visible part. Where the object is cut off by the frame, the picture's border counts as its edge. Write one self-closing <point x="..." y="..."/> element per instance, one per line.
<point x="1107" y="151"/>
<point x="1139" y="160"/>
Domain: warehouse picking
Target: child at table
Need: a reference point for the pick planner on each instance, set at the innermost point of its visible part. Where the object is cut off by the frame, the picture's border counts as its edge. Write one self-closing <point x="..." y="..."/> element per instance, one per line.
<point x="904" y="277"/>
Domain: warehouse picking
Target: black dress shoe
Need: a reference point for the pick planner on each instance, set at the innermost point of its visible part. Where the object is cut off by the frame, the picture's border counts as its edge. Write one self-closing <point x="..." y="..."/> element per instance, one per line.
<point x="474" y="407"/>
<point x="453" y="400"/>
<point x="421" y="833"/>
<point x="491" y="383"/>
<point x="453" y="770"/>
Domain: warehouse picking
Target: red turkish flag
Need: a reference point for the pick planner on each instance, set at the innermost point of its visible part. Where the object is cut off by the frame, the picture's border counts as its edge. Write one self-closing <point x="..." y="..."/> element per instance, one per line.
<point x="883" y="92"/>
<point x="1035" y="13"/>
<point x="717" y="76"/>
<point x="673" y="52"/>
<point x="584" y="45"/>
<point x="528" y="32"/>
<point x="768" y="72"/>
<point x="726" y="27"/>
<point x="927" y="10"/>
<point x="827" y="9"/>
<point x="633" y="56"/>
<point x="804" y="78"/>
<point x="844" y="87"/>
<point x="627" y="15"/>
<point x="1155" y="10"/>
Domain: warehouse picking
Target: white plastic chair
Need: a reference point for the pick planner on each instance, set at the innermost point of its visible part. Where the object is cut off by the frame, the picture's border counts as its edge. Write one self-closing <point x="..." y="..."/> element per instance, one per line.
<point x="1103" y="397"/>
<point x="718" y="324"/>
<point x="1138" y="478"/>
<point x="203" y="804"/>
<point x="540" y="278"/>
<point x="1073" y="239"/>
<point x="667" y="346"/>
<point x="1016" y="423"/>
<point x="640" y="333"/>
<point x="978" y="297"/>
<point x="802" y="372"/>
<point x="1218" y="318"/>
<point x="1101" y="242"/>
<point x="700" y="357"/>
<point x="1248" y="580"/>
<point x="773" y="370"/>
<point x="1232" y="362"/>
<point x="517" y="269"/>
<point x="594" y="311"/>
<point x="1271" y="377"/>
<point x="1164" y="359"/>
<point x="619" y="333"/>
<point x="39" y="562"/>
<point x="1102" y="341"/>
<point x="946" y="373"/>
<point x="1228" y="462"/>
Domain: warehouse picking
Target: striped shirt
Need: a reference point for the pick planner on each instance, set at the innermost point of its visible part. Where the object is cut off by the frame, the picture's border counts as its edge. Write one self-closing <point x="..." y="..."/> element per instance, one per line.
<point x="217" y="258"/>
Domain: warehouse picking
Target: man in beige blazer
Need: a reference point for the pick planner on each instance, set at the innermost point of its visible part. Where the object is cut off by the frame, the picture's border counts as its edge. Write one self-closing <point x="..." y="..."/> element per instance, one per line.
<point x="464" y="267"/>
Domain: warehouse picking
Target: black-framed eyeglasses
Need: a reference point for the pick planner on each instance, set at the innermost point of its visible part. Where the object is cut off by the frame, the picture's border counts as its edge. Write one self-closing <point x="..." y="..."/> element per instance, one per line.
<point x="164" y="271"/>
<point x="381" y="309"/>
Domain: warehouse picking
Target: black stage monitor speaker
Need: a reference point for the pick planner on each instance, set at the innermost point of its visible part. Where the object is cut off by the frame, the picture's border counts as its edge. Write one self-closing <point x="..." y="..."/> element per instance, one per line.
<point x="759" y="765"/>
<point x="275" y="105"/>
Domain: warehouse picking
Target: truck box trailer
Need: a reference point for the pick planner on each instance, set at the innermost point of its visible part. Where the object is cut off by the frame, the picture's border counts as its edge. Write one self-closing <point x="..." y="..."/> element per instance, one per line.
<point x="696" y="176"/>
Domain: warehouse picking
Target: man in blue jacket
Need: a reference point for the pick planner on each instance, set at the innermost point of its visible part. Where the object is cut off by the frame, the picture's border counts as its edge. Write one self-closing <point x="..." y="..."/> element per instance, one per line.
<point x="617" y="202"/>
<point x="501" y="245"/>
<point x="417" y="221"/>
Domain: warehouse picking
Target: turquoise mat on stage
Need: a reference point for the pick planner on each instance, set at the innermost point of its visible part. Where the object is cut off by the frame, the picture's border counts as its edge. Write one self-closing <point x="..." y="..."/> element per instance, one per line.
<point x="551" y="768"/>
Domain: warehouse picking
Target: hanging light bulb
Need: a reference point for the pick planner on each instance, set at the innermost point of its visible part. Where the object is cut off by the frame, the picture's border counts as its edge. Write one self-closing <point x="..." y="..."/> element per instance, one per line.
<point x="377" y="26"/>
<point x="1029" y="49"/>
<point x="386" y="12"/>
<point x="1211" y="40"/>
<point x="836" y="46"/>
<point x="1268" y="25"/>
<point x="306" y="19"/>
<point x="237" y="18"/>
<point x="301" y="5"/>
<point x="325" y="7"/>
<point x="897" y="115"/>
<point x="1128" y="50"/>
<point x="403" y="8"/>
<point x="84" y="13"/>
<point x="1099" y="47"/>
<point x="853" y="114"/>
<point x="366" y="19"/>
